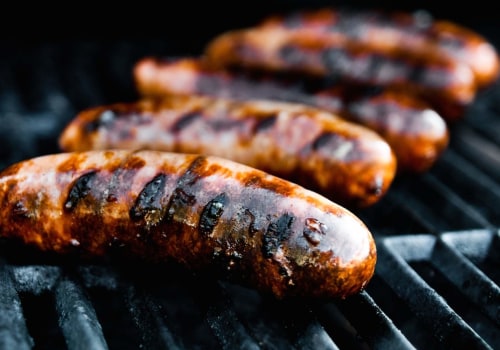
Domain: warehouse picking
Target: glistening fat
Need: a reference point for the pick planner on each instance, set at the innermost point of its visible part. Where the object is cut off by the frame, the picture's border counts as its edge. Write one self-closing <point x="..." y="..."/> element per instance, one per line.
<point x="348" y="163"/>
<point x="206" y="213"/>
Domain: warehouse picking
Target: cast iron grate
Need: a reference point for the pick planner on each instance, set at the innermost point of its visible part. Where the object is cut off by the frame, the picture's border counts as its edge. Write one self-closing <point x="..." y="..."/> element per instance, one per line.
<point x="436" y="284"/>
<point x="429" y="292"/>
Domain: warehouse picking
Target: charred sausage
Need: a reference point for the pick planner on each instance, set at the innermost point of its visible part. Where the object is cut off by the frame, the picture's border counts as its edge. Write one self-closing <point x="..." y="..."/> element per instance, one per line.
<point x="418" y="33"/>
<point x="449" y="85"/>
<point x="347" y="163"/>
<point x="205" y="213"/>
<point x="417" y="134"/>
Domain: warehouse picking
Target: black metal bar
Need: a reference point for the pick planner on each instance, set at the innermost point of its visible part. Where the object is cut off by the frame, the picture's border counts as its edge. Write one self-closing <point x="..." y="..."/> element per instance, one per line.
<point x="446" y="325"/>
<point x="372" y="324"/>
<point x="469" y="279"/>
<point x="13" y="331"/>
<point x="224" y="322"/>
<point x="35" y="279"/>
<point x="145" y="313"/>
<point x="77" y="317"/>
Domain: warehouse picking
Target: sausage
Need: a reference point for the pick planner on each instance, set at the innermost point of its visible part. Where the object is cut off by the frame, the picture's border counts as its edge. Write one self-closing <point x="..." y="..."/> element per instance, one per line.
<point x="347" y="163"/>
<point x="449" y="85"/>
<point x="203" y="212"/>
<point x="417" y="134"/>
<point x="418" y="33"/>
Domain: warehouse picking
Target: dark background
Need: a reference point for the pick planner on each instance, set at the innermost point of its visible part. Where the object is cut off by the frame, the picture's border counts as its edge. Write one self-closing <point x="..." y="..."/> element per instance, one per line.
<point x="192" y="22"/>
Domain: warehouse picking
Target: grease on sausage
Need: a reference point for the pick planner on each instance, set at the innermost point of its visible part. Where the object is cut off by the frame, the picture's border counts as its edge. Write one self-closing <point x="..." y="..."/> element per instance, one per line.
<point x="417" y="134"/>
<point x="347" y="163"/>
<point x="418" y="33"/>
<point x="203" y="212"/>
<point x="449" y="85"/>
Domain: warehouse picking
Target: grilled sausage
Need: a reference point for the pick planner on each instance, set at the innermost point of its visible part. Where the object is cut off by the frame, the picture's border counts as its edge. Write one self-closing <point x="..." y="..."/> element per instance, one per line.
<point x="447" y="84"/>
<point x="417" y="134"/>
<point x="205" y="213"/>
<point x="345" y="162"/>
<point x="418" y="33"/>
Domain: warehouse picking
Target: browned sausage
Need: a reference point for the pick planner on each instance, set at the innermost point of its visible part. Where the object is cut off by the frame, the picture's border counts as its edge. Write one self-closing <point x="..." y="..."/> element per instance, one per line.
<point x="418" y="33"/>
<point x="345" y="162"/>
<point x="447" y="84"/>
<point x="205" y="213"/>
<point x="417" y="134"/>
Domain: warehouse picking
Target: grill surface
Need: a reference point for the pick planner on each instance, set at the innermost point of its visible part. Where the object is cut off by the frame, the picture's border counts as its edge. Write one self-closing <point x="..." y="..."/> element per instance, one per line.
<point x="437" y="278"/>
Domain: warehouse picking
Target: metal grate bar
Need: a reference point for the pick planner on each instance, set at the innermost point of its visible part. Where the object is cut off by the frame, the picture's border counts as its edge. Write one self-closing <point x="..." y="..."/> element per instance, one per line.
<point x="13" y="331"/>
<point x="372" y="324"/>
<point x="315" y="337"/>
<point x="475" y="188"/>
<point x="480" y="247"/>
<point x="445" y="324"/>
<point x="481" y="151"/>
<point x="77" y="317"/>
<point x="468" y="278"/>
<point x="275" y="323"/>
<point x="227" y="327"/>
<point x="439" y="207"/>
<point x="368" y="326"/>
<point x="35" y="279"/>
<point x="146" y="316"/>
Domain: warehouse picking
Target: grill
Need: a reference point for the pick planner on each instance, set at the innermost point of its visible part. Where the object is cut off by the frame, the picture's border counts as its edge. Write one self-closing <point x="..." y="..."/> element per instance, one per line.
<point x="437" y="278"/>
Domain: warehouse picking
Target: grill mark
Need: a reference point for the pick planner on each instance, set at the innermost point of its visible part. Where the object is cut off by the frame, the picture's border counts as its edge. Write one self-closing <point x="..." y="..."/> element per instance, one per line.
<point x="291" y="54"/>
<point x="177" y="205"/>
<point x="245" y="218"/>
<point x="211" y="214"/>
<point x="181" y="199"/>
<point x="149" y="200"/>
<point x="105" y="119"/>
<point x="322" y="140"/>
<point x="277" y="232"/>
<point x="123" y="175"/>
<point x="265" y="123"/>
<point x="80" y="189"/>
<point x="185" y="120"/>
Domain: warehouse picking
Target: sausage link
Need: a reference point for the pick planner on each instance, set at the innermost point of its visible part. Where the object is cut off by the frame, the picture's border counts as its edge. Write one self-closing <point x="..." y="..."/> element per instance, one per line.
<point x="203" y="212"/>
<point x="418" y="33"/>
<point x="447" y="84"/>
<point x="349" y="164"/>
<point x="417" y="134"/>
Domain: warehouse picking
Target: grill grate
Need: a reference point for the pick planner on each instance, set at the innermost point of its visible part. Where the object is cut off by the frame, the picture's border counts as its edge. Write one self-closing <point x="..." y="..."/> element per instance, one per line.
<point x="409" y="304"/>
<point x="437" y="279"/>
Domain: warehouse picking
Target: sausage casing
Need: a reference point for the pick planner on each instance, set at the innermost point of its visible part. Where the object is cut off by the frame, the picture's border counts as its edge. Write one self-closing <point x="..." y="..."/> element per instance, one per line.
<point x="417" y="134"/>
<point x="345" y="162"/>
<point x="418" y="33"/>
<point x="202" y="212"/>
<point x="447" y="84"/>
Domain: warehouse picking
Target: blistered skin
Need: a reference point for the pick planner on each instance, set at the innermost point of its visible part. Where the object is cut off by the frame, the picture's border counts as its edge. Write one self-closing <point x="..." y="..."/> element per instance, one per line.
<point x="417" y="134"/>
<point x="345" y="162"/>
<point x="448" y="84"/>
<point x="418" y="33"/>
<point x="205" y="213"/>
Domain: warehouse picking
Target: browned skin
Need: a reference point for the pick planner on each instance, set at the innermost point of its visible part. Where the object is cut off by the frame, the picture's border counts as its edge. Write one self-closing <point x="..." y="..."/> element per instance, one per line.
<point x="417" y="134"/>
<point x="447" y="84"/>
<point x="349" y="164"/>
<point x="206" y="213"/>
<point x="418" y="33"/>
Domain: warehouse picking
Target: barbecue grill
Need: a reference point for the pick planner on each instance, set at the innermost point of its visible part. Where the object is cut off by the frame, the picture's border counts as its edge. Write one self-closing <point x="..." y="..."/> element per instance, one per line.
<point x="437" y="279"/>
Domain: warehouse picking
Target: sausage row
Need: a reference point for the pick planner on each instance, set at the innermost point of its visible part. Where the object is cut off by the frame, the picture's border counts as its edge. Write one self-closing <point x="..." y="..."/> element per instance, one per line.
<point x="417" y="134"/>
<point x="439" y="60"/>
